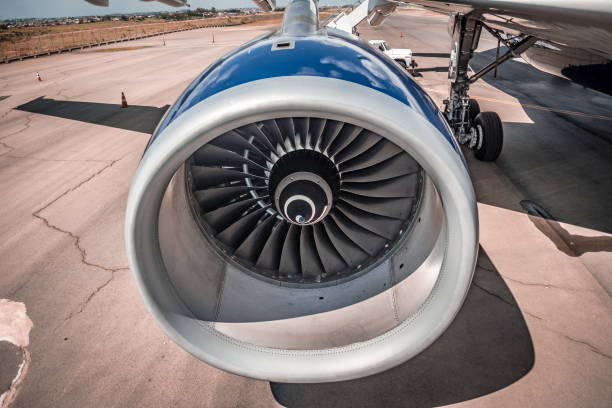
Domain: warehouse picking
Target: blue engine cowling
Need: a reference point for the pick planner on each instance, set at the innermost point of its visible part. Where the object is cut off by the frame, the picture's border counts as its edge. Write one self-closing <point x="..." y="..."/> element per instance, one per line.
<point x="332" y="54"/>
<point x="303" y="213"/>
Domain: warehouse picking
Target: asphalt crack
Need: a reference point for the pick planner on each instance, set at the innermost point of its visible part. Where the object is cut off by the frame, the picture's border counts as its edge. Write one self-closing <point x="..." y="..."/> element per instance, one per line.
<point x="485" y="268"/>
<point x="77" y="244"/>
<point x="70" y="190"/>
<point x="570" y="338"/>
<point x="76" y="239"/>
<point x="26" y="126"/>
<point x="493" y="294"/>
<point x="546" y="285"/>
<point x="5" y="114"/>
<point x="97" y="290"/>
<point x="9" y="147"/>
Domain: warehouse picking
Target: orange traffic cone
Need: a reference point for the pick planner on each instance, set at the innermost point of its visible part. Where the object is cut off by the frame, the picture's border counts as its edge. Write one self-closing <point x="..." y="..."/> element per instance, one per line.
<point x="38" y="78"/>
<point x="123" y="101"/>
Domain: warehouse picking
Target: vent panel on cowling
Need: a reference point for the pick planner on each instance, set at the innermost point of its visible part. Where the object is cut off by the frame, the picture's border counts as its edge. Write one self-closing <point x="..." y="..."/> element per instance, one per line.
<point x="303" y="200"/>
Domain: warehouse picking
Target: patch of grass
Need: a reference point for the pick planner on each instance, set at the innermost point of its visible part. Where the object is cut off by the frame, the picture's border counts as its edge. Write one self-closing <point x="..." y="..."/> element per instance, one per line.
<point x="21" y="32"/>
<point x="28" y="41"/>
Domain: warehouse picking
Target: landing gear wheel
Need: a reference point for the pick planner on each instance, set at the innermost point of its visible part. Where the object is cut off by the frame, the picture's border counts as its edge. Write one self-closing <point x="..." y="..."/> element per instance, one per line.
<point x="413" y="71"/>
<point x="473" y="109"/>
<point x="491" y="134"/>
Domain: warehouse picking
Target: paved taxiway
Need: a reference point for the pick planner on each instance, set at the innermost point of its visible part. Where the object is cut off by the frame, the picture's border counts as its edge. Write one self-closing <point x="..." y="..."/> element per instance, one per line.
<point x="536" y="329"/>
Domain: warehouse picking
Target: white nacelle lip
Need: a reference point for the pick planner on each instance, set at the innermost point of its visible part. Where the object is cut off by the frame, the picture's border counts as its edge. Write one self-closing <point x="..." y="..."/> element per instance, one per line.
<point x="327" y="98"/>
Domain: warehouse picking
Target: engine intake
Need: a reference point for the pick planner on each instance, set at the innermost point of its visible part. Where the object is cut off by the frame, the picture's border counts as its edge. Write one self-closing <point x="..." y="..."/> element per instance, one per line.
<point x="304" y="199"/>
<point x="303" y="214"/>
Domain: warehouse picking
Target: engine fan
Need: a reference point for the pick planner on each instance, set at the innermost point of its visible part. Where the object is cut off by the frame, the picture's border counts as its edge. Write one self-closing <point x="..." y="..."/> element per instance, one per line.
<point x="303" y="213"/>
<point x="303" y="200"/>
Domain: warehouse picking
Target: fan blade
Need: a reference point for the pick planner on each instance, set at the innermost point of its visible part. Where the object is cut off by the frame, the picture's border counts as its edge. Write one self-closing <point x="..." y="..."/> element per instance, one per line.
<point x="309" y="257"/>
<point x="398" y="208"/>
<point x="364" y="141"/>
<point x="234" y="141"/>
<point x="383" y="226"/>
<point x="365" y="239"/>
<point x="350" y="253"/>
<point x="344" y="138"/>
<point x="290" y="257"/>
<point x="237" y="232"/>
<point x="214" y="198"/>
<point x="204" y="177"/>
<point x="301" y="130"/>
<point x="404" y="186"/>
<point x="330" y="258"/>
<point x="381" y="151"/>
<point x="271" y="252"/>
<point x="398" y="165"/>
<point x="223" y="217"/>
<point x="316" y="129"/>
<point x="211" y="155"/>
<point x="332" y="128"/>
<point x="254" y="131"/>
<point x="288" y="132"/>
<point x="270" y="127"/>
<point x="252" y="246"/>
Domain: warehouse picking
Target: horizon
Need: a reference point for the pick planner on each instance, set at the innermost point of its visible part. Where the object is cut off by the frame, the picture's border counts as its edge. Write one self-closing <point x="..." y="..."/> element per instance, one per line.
<point x="35" y="9"/>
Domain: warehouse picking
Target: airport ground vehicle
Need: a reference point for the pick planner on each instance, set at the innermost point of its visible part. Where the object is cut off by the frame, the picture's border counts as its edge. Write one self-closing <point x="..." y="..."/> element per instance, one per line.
<point x="403" y="56"/>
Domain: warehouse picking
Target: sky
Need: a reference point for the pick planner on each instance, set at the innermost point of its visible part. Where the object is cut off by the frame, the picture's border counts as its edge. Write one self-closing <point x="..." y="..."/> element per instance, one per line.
<point x="66" y="8"/>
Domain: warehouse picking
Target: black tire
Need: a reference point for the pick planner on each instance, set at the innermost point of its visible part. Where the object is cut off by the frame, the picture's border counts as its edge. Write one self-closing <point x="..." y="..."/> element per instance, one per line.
<point x="402" y="63"/>
<point x="473" y="110"/>
<point x="490" y="126"/>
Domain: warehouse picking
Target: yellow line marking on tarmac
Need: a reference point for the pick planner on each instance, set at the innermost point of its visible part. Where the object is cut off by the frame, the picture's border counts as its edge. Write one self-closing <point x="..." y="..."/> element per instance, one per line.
<point x="525" y="105"/>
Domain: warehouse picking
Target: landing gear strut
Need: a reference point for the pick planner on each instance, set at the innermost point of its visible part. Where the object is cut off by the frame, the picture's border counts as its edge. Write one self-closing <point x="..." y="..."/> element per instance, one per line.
<point x="481" y="131"/>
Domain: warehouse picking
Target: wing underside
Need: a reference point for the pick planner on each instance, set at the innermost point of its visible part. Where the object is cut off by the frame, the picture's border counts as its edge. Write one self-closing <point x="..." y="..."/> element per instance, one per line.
<point x="575" y="24"/>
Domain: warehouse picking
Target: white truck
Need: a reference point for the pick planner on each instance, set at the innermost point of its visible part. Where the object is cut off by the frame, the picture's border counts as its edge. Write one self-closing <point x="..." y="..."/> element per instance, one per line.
<point x="402" y="56"/>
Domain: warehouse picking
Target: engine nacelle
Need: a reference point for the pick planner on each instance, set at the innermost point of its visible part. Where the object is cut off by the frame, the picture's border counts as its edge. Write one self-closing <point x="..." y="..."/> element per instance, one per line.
<point x="303" y="213"/>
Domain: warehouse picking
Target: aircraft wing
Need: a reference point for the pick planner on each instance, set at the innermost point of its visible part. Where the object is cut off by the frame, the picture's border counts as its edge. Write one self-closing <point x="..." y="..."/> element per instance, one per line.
<point x="173" y="3"/>
<point x="585" y="24"/>
<point x="265" y="5"/>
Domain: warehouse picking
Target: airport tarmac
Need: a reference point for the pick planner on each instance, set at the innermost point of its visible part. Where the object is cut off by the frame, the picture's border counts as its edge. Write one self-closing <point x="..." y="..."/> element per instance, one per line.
<point x="536" y="329"/>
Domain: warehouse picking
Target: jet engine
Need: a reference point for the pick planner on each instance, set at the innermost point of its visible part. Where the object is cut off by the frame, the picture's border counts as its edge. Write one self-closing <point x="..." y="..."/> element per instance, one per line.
<point x="303" y="212"/>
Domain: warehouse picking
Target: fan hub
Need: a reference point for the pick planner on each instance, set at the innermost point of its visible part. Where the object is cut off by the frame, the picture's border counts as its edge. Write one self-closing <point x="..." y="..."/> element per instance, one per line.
<point x="303" y="198"/>
<point x="304" y="184"/>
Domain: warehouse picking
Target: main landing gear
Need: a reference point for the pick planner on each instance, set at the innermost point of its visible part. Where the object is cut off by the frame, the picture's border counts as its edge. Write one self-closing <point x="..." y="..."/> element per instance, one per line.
<point x="480" y="131"/>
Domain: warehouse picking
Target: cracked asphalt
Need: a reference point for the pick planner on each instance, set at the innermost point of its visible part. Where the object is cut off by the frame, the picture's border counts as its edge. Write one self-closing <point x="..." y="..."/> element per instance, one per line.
<point x="64" y="182"/>
<point x="64" y="185"/>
